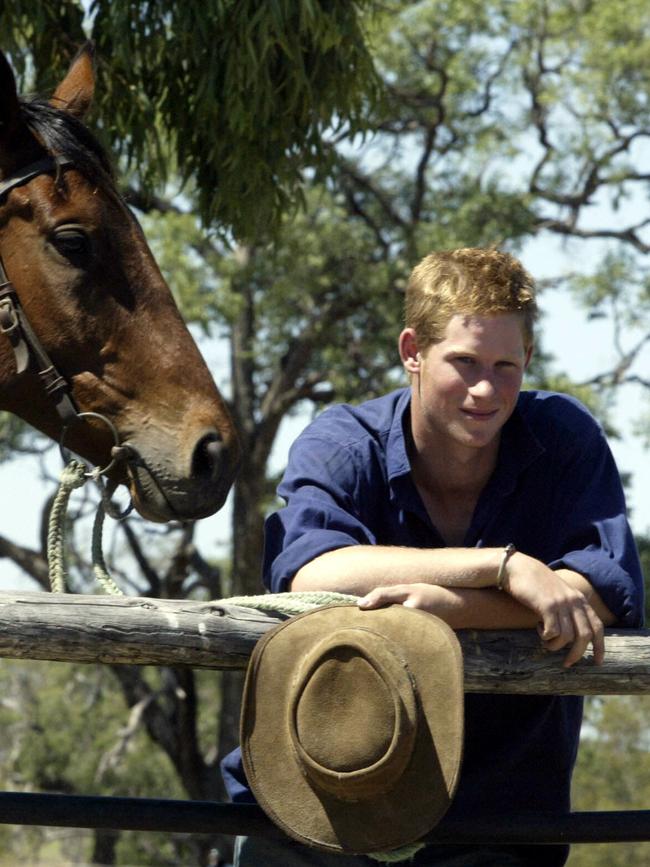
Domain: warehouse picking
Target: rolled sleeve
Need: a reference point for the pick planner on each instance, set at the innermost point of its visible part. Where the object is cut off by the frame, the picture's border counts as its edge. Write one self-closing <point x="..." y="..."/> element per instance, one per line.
<point x="595" y="536"/>
<point x="320" y="515"/>
<point x="618" y="589"/>
<point x="295" y="536"/>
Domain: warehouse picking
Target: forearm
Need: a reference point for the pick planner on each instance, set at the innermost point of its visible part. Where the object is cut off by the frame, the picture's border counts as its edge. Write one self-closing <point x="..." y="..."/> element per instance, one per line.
<point x="458" y="584"/>
<point x="463" y="608"/>
<point x="566" y="619"/>
<point x="485" y="608"/>
<point x="579" y="582"/>
<point x="361" y="568"/>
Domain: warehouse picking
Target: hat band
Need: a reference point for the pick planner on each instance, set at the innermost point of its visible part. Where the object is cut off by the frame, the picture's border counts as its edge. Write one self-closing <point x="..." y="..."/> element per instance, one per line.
<point x="400" y="710"/>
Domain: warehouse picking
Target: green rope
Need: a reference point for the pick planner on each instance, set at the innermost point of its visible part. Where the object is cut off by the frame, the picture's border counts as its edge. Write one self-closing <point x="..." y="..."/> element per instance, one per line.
<point x="100" y="569"/>
<point x="404" y="853"/>
<point x="74" y="475"/>
<point x="297" y="603"/>
<point x="291" y="603"/>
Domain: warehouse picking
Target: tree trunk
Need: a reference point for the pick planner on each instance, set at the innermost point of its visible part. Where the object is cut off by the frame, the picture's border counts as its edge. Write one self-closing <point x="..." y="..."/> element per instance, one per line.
<point x="247" y="544"/>
<point x="247" y="531"/>
<point x="104" y="847"/>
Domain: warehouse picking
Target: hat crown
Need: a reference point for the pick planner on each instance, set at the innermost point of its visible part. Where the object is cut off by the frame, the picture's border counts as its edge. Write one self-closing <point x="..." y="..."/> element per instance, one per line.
<point x="322" y="761"/>
<point x="353" y="715"/>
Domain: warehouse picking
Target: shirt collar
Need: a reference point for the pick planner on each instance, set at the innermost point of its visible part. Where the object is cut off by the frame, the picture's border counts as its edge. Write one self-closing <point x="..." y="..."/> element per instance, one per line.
<point x="397" y="459"/>
<point x="518" y="449"/>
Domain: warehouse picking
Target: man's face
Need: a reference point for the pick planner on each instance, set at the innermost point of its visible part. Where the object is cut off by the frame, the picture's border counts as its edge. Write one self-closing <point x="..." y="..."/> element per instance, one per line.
<point x="465" y="387"/>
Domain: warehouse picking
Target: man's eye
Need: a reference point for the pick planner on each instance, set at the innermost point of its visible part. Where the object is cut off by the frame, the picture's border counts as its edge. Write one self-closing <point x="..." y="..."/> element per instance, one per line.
<point x="465" y="359"/>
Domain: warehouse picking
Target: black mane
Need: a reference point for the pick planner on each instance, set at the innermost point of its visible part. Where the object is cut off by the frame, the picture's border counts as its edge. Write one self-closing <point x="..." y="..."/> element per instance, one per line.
<point x="62" y="135"/>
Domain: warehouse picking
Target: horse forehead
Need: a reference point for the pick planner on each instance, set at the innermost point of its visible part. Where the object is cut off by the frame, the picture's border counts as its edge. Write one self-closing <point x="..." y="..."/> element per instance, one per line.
<point x="74" y="200"/>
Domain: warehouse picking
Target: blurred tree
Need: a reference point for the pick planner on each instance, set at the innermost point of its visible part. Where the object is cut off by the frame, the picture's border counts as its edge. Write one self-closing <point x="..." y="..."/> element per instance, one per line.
<point x="643" y="543"/>
<point x="234" y="94"/>
<point x="66" y="732"/>
<point x="613" y="773"/>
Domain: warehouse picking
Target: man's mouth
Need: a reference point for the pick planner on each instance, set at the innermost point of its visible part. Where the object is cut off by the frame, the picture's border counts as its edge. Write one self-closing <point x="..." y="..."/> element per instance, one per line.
<point x="479" y="414"/>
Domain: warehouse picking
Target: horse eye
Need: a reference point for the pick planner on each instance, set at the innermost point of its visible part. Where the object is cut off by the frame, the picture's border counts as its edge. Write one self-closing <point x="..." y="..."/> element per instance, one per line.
<point x="73" y="243"/>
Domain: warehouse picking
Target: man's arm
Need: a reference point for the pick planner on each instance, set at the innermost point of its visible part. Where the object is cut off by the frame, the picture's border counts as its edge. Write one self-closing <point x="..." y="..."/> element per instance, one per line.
<point x="458" y="585"/>
<point x="358" y="569"/>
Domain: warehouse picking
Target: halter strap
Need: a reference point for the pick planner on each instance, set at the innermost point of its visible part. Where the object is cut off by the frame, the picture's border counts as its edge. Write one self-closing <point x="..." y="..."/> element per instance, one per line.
<point x="39" y="167"/>
<point x="14" y="322"/>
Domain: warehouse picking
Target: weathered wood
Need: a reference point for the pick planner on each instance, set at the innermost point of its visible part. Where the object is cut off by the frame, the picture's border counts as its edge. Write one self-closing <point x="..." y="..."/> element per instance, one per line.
<point x="143" y="631"/>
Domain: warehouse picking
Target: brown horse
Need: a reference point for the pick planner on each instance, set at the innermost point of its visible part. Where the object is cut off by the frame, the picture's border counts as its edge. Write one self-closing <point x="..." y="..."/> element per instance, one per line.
<point x="81" y="296"/>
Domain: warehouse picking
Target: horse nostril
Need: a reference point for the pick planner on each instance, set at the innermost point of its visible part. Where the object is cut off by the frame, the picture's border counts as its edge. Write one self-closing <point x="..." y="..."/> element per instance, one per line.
<point x="208" y="457"/>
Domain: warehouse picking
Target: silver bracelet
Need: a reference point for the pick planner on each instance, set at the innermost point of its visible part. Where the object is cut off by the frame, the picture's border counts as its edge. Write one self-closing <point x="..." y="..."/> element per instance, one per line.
<point x="508" y="551"/>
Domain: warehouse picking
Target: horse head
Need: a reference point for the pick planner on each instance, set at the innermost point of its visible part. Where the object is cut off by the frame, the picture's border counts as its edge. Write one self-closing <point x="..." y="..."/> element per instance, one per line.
<point x="84" y="280"/>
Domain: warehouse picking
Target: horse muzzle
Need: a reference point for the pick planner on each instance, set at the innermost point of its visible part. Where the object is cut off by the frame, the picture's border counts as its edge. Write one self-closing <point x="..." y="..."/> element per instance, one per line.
<point x="163" y="492"/>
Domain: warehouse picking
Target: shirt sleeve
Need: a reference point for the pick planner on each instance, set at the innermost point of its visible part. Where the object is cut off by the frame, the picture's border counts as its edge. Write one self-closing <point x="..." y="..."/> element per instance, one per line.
<point x="322" y="488"/>
<point x="594" y="535"/>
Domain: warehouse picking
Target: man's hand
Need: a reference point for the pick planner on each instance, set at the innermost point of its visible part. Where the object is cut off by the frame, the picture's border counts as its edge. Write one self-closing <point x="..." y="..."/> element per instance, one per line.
<point x="427" y="597"/>
<point x="567" y="618"/>
<point x="537" y="597"/>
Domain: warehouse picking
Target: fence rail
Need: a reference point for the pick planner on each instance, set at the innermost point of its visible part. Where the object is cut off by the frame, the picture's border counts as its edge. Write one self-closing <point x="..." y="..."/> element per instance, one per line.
<point x="215" y="635"/>
<point x="210" y="817"/>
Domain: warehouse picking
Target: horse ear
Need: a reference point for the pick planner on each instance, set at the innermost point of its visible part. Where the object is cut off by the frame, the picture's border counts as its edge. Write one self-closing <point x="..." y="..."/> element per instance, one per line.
<point x="75" y="93"/>
<point x="9" y="106"/>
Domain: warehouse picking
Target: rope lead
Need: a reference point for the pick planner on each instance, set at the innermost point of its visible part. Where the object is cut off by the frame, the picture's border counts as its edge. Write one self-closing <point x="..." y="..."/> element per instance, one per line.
<point x="74" y="475"/>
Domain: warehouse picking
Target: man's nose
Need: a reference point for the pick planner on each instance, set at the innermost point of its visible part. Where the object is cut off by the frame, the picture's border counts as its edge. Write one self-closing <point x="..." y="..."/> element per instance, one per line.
<point x="483" y="386"/>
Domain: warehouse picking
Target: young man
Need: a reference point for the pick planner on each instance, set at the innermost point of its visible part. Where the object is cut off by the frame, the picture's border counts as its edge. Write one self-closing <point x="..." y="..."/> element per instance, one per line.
<point x="485" y="505"/>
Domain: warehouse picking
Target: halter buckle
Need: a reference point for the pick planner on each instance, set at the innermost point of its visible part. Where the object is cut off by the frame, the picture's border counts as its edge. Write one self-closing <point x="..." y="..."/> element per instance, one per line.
<point x="8" y="316"/>
<point x="52" y="380"/>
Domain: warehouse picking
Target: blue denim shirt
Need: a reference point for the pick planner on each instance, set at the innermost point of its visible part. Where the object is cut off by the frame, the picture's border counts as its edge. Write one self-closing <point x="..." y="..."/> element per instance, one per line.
<point x="555" y="493"/>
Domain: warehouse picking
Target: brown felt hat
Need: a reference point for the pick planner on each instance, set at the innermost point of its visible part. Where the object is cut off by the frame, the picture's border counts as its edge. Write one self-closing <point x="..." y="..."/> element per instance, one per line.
<point x="352" y="726"/>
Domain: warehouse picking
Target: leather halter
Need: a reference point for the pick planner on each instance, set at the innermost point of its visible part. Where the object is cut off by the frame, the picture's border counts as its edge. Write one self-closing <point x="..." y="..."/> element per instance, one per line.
<point x="13" y="321"/>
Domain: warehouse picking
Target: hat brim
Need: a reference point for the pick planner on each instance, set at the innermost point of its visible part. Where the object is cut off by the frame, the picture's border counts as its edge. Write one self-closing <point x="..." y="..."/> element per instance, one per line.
<point x="423" y="792"/>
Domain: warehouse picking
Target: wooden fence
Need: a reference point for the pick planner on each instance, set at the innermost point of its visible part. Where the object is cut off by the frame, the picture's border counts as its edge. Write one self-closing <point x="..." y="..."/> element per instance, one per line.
<point x="143" y="631"/>
<point x="217" y="635"/>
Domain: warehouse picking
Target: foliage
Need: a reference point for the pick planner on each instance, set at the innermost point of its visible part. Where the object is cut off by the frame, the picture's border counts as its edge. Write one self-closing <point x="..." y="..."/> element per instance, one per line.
<point x="235" y="94"/>
<point x="17" y="438"/>
<point x="613" y="773"/>
<point x="312" y="316"/>
<point x="643" y="545"/>
<point x="67" y="731"/>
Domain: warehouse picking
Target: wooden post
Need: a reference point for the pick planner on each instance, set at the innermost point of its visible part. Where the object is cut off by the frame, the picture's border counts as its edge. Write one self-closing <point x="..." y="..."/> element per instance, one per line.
<point x="143" y="631"/>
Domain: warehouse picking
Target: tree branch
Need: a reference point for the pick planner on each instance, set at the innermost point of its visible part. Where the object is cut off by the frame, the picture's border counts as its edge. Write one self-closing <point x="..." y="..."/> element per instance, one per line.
<point x="364" y="182"/>
<point x="567" y="227"/>
<point x="150" y="574"/>
<point x="33" y="563"/>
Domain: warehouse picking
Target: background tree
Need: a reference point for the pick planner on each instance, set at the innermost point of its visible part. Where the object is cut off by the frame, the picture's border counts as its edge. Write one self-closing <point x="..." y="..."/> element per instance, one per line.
<point x="613" y="773"/>
<point x="498" y="123"/>
<point x="66" y="731"/>
<point x="234" y="94"/>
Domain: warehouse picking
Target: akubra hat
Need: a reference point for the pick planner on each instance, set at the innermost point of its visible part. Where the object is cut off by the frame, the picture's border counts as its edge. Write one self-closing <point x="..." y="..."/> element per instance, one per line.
<point x="352" y="726"/>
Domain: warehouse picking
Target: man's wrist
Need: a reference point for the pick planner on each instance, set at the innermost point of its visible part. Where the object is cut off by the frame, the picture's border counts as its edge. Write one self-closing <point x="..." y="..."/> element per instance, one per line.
<point x="502" y="579"/>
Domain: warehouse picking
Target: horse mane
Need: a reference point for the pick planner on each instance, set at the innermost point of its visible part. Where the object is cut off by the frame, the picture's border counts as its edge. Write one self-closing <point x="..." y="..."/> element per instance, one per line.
<point x="63" y="135"/>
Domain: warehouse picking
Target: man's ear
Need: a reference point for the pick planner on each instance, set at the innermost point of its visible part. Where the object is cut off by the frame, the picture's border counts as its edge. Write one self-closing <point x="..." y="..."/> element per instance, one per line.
<point x="75" y="93"/>
<point x="409" y="352"/>
<point x="529" y="355"/>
